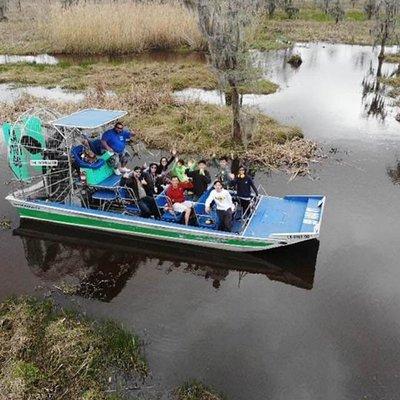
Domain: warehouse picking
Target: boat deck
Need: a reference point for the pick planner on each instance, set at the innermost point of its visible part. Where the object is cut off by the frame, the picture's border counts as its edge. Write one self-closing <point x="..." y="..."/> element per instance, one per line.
<point x="276" y="215"/>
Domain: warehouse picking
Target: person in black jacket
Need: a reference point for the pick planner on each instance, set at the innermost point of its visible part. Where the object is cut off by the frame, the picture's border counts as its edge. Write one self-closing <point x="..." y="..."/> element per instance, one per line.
<point x="244" y="185"/>
<point x="153" y="184"/>
<point x="201" y="179"/>
<point x="146" y="203"/>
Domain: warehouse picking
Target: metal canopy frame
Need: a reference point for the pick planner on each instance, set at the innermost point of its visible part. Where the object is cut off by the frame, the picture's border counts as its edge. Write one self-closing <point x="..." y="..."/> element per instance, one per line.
<point x="89" y="118"/>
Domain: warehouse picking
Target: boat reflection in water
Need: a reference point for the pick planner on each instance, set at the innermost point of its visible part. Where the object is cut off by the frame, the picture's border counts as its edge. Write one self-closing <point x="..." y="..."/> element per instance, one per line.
<point x="99" y="265"/>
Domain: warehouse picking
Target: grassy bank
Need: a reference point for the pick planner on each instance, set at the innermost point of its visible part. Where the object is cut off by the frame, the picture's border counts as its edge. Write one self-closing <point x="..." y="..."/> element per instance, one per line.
<point x="50" y="353"/>
<point x="281" y="33"/>
<point x="199" y="129"/>
<point x="392" y="58"/>
<point x="130" y="27"/>
<point x="196" y="391"/>
<point x="54" y="354"/>
<point x="120" y="77"/>
<point x="146" y="91"/>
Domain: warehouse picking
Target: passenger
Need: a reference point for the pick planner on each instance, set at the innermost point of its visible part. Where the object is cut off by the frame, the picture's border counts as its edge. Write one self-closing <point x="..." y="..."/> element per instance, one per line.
<point x="225" y="206"/>
<point x="88" y="156"/>
<point x="223" y="171"/>
<point x="114" y="141"/>
<point x="179" y="170"/>
<point x="176" y="193"/>
<point x="200" y="177"/>
<point x="146" y="203"/>
<point x="152" y="182"/>
<point x="243" y="184"/>
<point x="162" y="168"/>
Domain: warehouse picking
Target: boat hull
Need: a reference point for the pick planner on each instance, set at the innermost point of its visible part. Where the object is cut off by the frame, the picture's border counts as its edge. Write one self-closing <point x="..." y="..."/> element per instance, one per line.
<point x="136" y="226"/>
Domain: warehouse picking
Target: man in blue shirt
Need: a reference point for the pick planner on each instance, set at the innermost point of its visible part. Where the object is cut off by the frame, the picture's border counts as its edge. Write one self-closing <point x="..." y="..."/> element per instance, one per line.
<point x="114" y="141"/>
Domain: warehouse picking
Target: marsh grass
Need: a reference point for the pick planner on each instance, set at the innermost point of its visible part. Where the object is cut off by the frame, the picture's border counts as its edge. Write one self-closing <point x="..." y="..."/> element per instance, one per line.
<point x="195" y="390"/>
<point x="127" y="27"/>
<point x="117" y="77"/>
<point x="194" y="128"/>
<point x="275" y="34"/>
<point x="117" y="27"/>
<point x="50" y="353"/>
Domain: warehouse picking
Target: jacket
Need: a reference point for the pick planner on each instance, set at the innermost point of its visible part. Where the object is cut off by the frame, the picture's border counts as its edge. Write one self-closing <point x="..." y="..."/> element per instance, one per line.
<point x="200" y="181"/>
<point x="243" y="186"/>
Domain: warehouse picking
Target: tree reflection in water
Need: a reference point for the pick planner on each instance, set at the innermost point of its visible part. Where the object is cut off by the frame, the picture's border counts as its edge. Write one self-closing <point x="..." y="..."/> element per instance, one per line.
<point x="374" y="93"/>
<point x="98" y="266"/>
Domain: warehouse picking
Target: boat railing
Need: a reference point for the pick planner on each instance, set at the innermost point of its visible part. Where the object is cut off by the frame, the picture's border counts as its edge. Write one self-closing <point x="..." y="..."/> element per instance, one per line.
<point x="246" y="218"/>
<point x="261" y="189"/>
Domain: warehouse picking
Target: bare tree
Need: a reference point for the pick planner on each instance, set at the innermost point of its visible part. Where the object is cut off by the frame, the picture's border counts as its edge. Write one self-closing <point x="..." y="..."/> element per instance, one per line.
<point x="337" y="11"/>
<point x="225" y="25"/>
<point x="289" y="8"/>
<point x="270" y="7"/>
<point x="324" y="5"/>
<point x="353" y="3"/>
<point x="3" y="9"/>
<point x="370" y="8"/>
<point x="386" y="26"/>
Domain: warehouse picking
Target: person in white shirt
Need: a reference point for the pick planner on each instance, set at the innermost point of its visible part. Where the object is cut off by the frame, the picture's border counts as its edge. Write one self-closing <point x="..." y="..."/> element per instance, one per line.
<point x="225" y="206"/>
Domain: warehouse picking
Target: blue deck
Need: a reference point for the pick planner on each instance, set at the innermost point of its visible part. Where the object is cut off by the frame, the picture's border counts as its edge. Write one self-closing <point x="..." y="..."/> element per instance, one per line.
<point x="292" y="214"/>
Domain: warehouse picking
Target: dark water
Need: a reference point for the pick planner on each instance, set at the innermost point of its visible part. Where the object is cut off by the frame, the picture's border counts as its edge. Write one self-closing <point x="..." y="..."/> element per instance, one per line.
<point x="312" y="322"/>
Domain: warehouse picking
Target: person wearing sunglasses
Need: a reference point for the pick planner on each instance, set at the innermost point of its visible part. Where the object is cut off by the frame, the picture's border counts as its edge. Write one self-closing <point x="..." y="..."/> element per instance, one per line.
<point x="244" y="185"/>
<point x="114" y="141"/>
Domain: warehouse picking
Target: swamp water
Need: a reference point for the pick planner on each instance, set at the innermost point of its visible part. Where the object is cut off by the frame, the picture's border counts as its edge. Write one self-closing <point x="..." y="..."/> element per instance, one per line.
<point x="301" y="323"/>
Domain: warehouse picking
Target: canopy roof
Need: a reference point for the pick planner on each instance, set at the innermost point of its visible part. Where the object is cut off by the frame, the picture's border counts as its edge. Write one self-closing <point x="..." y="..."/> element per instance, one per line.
<point x="90" y="118"/>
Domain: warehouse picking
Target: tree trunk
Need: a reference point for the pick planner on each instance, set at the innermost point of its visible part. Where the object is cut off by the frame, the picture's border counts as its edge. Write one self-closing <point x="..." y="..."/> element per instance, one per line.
<point x="228" y="98"/>
<point x="381" y="57"/>
<point x="236" y="129"/>
<point x="2" y="13"/>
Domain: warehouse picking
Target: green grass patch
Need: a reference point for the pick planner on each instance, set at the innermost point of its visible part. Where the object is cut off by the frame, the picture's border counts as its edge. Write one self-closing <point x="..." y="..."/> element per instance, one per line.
<point x="122" y="76"/>
<point x="356" y="15"/>
<point x="314" y="14"/>
<point x="195" y="390"/>
<point x="50" y="353"/>
<point x="261" y="86"/>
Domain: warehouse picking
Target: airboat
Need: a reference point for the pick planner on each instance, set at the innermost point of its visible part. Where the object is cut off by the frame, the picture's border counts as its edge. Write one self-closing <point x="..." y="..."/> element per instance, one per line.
<point x="53" y="183"/>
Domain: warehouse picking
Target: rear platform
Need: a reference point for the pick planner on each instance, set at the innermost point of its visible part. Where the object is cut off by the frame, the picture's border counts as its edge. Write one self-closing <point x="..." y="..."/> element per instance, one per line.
<point x="291" y="214"/>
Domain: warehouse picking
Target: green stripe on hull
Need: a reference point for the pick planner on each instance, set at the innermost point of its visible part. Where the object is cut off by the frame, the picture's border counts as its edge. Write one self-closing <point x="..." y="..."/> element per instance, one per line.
<point x="83" y="221"/>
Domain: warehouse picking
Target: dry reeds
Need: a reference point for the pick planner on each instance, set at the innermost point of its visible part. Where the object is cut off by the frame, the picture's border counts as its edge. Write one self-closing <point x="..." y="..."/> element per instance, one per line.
<point x="193" y="128"/>
<point x="113" y="28"/>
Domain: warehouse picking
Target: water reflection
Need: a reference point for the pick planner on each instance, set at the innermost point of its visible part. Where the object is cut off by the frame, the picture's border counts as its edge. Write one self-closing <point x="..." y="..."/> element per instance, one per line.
<point x="324" y="96"/>
<point x="374" y="94"/>
<point x="153" y="56"/>
<point x="92" y="265"/>
<point x="39" y="59"/>
<point x="9" y="93"/>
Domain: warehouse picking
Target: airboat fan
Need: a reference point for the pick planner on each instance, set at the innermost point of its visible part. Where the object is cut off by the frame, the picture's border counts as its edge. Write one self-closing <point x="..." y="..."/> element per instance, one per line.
<point x="38" y="152"/>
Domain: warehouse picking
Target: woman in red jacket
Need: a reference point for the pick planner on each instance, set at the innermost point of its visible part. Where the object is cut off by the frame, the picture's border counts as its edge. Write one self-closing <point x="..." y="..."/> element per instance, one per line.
<point x="176" y="193"/>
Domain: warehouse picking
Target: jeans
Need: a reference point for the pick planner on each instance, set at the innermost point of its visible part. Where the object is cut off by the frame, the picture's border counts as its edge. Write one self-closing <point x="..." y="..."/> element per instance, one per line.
<point x="121" y="159"/>
<point x="148" y="207"/>
<point x="225" y="220"/>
